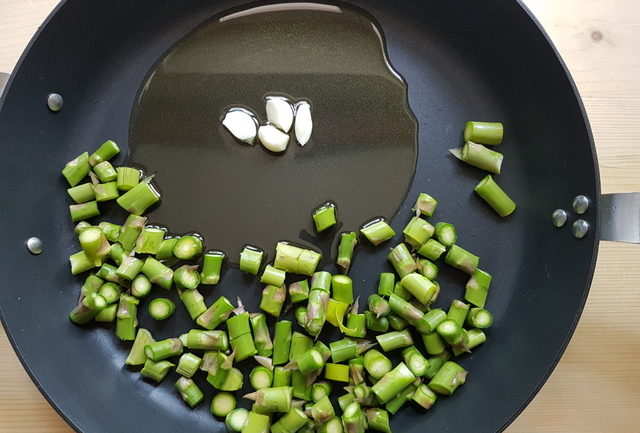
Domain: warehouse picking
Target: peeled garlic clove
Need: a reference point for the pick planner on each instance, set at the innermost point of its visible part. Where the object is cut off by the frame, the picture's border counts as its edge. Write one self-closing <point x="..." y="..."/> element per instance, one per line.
<point x="304" y="124"/>
<point x="280" y="113"/>
<point x="241" y="124"/>
<point x="272" y="138"/>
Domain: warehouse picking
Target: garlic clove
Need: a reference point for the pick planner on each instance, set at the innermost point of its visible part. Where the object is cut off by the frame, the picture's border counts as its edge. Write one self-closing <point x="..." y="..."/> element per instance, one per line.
<point x="242" y="124"/>
<point x="280" y="113"/>
<point x="272" y="138"/>
<point x="304" y="124"/>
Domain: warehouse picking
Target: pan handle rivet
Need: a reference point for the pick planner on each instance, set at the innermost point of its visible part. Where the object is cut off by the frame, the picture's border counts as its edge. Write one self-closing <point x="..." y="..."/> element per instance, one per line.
<point x="580" y="229"/>
<point x="580" y="204"/>
<point x="559" y="217"/>
<point x="54" y="101"/>
<point x="34" y="245"/>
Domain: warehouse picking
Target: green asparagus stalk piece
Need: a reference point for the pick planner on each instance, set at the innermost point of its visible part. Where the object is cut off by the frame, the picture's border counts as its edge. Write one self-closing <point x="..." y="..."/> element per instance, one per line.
<point x="479" y="156"/>
<point x="136" y="354"/>
<point x="291" y="422"/>
<point x="157" y="273"/>
<point x="127" y="317"/>
<point x="106" y="191"/>
<point x="105" y="172"/>
<point x="417" y="232"/>
<point x="356" y="325"/>
<point x="377" y="231"/>
<point x="130" y="231"/>
<point x="222" y="404"/>
<point x="479" y="318"/>
<point x="257" y="423"/>
<point x="236" y="419"/>
<point x="433" y="343"/>
<point x="110" y="292"/>
<point x="462" y="259"/>
<point x="448" y="378"/>
<point x="165" y="252"/>
<point x="272" y="399"/>
<point x="458" y="312"/>
<point x="107" y="315"/>
<point x="424" y="396"/>
<point x="216" y="314"/>
<point x="427" y="269"/>
<point x="475" y="337"/>
<point x="129" y="268"/>
<point x="378" y="419"/>
<point x="273" y="298"/>
<point x="477" y="288"/>
<point x="207" y="340"/>
<point x="495" y="197"/>
<point x="161" y="308"/>
<point x="393" y="382"/>
<point x="415" y="361"/>
<point x="337" y="372"/>
<point x="77" y="169"/>
<point x="127" y="178"/>
<point x="484" y="132"/>
<point x="251" y="259"/>
<point x="282" y="342"/>
<point x="420" y="287"/>
<point x="82" y="193"/>
<point x="281" y="377"/>
<point x="187" y="277"/>
<point x="348" y="242"/>
<point x="105" y="152"/>
<point x="432" y="249"/>
<point x="386" y="283"/>
<point x="402" y="261"/>
<point x="324" y="217"/>
<point x="260" y="377"/>
<point x="425" y="205"/>
<point x="353" y="419"/>
<point x="189" y="391"/>
<point x="261" y="336"/>
<point x="376" y="364"/>
<point x="156" y="371"/>
<point x="94" y="244"/>
<point x="188" y="365"/>
<point x="211" y="267"/>
<point x="299" y="291"/>
<point x="150" y="240"/>
<point x="322" y="411"/>
<point x="83" y="211"/>
<point x="111" y="231"/>
<point x="159" y="350"/>
<point x="376" y="324"/>
<point x="88" y="308"/>
<point x="194" y="303"/>
<point x="139" y="198"/>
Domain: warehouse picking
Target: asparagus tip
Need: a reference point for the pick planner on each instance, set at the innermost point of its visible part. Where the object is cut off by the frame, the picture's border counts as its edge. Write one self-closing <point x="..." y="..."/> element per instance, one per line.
<point x="253" y="396"/>
<point x="264" y="361"/>
<point x="457" y="152"/>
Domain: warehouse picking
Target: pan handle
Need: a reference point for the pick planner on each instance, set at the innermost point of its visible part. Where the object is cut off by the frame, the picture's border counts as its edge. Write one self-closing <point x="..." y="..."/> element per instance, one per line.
<point x="4" y="77"/>
<point x="620" y="217"/>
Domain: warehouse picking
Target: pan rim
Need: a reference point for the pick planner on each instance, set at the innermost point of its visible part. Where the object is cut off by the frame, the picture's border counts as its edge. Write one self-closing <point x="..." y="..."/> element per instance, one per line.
<point x="595" y="239"/>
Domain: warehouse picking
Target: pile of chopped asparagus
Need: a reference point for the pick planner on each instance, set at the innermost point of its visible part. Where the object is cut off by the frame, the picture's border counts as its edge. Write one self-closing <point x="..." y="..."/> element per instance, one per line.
<point x="297" y="376"/>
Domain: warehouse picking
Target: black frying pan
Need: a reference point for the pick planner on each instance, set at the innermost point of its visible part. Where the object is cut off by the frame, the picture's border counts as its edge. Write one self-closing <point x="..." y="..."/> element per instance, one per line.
<point x="461" y="60"/>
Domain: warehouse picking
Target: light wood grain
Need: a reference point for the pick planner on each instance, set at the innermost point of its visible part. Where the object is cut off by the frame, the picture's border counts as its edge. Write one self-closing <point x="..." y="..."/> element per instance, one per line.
<point x="596" y="386"/>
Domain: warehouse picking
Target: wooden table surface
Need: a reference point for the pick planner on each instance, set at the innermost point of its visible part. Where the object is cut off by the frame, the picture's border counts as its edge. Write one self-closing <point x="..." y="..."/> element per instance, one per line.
<point x="596" y="386"/>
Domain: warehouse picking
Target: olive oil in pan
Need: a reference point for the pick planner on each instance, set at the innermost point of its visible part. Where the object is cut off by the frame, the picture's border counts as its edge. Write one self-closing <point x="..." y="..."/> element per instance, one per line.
<point x="361" y="154"/>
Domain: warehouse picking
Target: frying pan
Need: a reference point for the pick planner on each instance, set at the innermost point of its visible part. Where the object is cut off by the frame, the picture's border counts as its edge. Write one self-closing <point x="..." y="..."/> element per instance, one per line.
<point x="460" y="61"/>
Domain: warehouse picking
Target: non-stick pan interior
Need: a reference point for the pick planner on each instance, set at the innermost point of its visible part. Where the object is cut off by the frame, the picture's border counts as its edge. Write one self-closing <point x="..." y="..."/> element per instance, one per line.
<point x="461" y="61"/>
